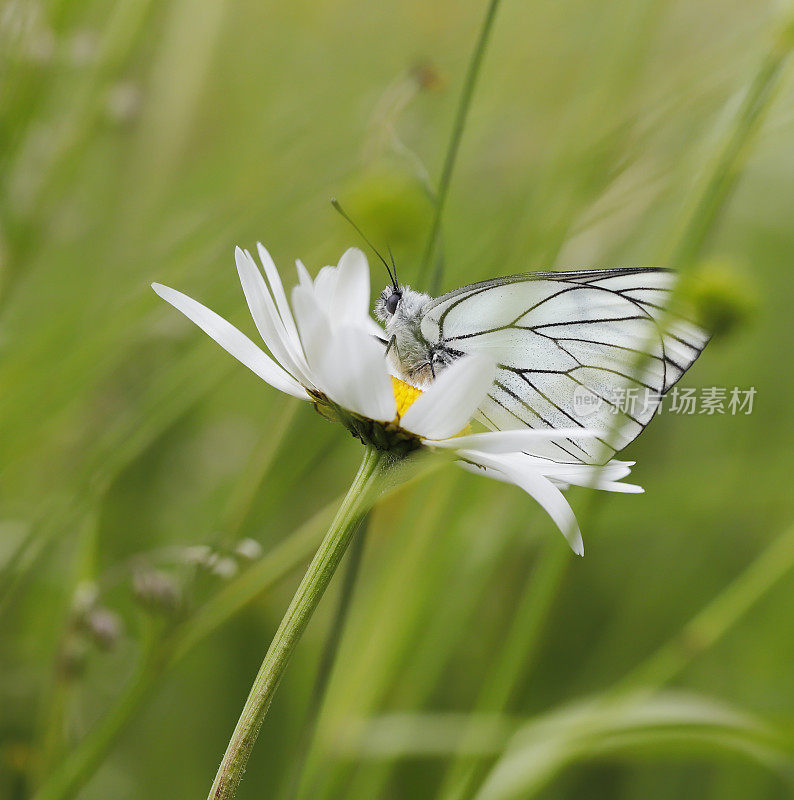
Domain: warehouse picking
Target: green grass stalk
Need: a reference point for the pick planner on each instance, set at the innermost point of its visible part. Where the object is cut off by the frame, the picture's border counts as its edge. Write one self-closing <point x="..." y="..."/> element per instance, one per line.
<point x="307" y="597"/>
<point x="432" y="246"/>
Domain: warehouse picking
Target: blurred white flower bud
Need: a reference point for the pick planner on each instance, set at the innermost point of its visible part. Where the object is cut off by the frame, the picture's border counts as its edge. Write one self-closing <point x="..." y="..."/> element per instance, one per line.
<point x="249" y="549"/>
<point x="157" y="590"/>
<point x="104" y="627"/>
<point x="225" y="567"/>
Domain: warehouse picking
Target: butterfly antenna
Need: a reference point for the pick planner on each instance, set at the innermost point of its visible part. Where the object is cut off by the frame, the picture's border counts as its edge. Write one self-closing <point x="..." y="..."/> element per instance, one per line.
<point x="392" y="276"/>
<point x="395" y="282"/>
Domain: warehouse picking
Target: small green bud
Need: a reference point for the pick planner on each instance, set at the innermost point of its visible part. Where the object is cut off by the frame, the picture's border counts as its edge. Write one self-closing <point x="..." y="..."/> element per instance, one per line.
<point x="389" y="204"/>
<point x="722" y="297"/>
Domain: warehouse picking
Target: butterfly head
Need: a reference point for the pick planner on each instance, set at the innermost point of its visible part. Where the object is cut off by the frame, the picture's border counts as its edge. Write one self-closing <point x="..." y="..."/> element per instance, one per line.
<point x="398" y="305"/>
<point x="392" y="296"/>
<point x="388" y="302"/>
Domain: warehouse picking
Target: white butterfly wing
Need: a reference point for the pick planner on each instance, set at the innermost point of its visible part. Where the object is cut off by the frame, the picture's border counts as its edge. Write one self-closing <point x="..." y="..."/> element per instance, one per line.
<point x="568" y="347"/>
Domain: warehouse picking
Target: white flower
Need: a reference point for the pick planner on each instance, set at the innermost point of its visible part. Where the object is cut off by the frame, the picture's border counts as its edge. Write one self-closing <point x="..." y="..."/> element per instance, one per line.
<point x="325" y="349"/>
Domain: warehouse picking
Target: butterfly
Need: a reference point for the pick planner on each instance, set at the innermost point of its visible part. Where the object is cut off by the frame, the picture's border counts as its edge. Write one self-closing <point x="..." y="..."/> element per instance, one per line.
<point x="571" y="349"/>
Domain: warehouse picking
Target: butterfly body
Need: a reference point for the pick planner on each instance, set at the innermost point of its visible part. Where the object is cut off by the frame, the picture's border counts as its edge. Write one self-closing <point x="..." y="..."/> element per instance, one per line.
<point x="558" y="339"/>
<point x="411" y="355"/>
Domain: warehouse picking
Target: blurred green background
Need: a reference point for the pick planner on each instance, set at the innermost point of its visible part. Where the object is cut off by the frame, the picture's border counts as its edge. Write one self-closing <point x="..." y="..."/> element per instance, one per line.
<point x="142" y="141"/>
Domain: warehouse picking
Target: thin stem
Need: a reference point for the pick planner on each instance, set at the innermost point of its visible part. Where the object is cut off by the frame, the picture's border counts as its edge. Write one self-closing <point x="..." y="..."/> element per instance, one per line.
<point x="452" y="152"/>
<point x="61" y="690"/>
<point x="75" y="771"/>
<point x="327" y="659"/>
<point x="721" y="175"/>
<point x="307" y="597"/>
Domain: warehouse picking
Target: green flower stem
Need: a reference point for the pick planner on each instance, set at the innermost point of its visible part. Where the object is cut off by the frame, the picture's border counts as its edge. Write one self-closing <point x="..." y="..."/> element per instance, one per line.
<point x="322" y="568"/>
<point x="452" y="152"/>
<point x="327" y="660"/>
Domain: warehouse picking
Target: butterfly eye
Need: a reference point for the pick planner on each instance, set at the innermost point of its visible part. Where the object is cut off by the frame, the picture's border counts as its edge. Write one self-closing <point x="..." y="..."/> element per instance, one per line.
<point x="392" y="301"/>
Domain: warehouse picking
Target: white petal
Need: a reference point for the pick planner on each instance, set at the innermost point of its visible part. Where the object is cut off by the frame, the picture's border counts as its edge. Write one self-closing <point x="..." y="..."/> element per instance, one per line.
<point x="347" y="364"/>
<point x="313" y="326"/>
<point x="595" y="476"/>
<point x="446" y="407"/>
<point x="266" y="318"/>
<point x="350" y="302"/>
<point x="535" y="484"/>
<point x="284" y="326"/>
<point x="274" y="279"/>
<point x="372" y="327"/>
<point x="325" y="288"/>
<point x="614" y="486"/>
<point x="353" y="374"/>
<point x="304" y="279"/>
<point x="511" y="441"/>
<point x="233" y="341"/>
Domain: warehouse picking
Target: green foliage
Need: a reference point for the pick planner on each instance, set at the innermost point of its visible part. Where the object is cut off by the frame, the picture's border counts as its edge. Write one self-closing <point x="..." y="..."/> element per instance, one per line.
<point x="141" y="142"/>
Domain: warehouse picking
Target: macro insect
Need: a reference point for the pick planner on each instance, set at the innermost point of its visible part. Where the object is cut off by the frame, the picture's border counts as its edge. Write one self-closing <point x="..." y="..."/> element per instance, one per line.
<point x="594" y="349"/>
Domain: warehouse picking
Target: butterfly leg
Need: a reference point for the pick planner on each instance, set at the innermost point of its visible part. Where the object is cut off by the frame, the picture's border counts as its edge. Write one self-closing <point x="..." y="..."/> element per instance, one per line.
<point x="393" y="344"/>
<point x="441" y="356"/>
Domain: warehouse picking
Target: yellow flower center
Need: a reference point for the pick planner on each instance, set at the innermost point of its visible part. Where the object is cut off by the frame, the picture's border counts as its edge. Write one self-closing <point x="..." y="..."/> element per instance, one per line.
<point x="404" y="395"/>
<point x="389" y="436"/>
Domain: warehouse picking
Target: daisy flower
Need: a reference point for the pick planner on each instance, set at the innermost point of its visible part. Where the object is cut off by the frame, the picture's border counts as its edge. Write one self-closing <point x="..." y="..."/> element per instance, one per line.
<point x="325" y="348"/>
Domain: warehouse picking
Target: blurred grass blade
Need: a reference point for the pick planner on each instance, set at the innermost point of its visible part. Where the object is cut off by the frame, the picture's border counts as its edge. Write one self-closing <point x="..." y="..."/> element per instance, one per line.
<point x="512" y="662"/>
<point x="534" y="753"/>
<point x="718" y="178"/>
<point x="249" y="584"/>
<point x="595" y="728"/>
<point x="327" y="661"/>
<point x="470" y="81"/>
<point x="21" y="548"/>
<point x="418" y="667"/>
<point x="424" y="735"/>
<point x="707" y="627"/>
<point x="720" y="174"/>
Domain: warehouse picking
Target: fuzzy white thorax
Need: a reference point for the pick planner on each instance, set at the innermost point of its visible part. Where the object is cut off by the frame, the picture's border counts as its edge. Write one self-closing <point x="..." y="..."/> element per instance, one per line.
<point x="409" y="351"/>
